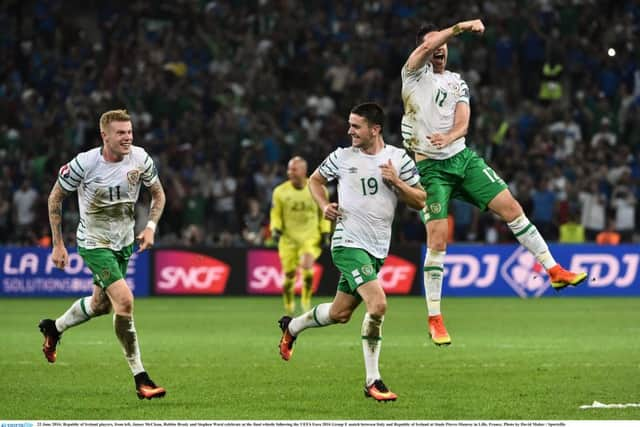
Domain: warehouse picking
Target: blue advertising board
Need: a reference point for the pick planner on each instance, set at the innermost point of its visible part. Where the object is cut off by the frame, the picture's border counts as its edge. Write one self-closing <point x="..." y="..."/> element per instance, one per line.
<point x="29" y="272"/>
<point x="508" y="270"/>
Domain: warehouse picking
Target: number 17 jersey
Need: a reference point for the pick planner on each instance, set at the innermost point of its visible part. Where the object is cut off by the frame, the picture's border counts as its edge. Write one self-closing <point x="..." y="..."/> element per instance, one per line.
<point x="430" y="101"/>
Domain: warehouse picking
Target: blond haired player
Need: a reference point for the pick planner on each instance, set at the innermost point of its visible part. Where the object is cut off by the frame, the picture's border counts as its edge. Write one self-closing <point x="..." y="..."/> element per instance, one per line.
<point x="108" y="180"/>
<point x="298" y="227"/>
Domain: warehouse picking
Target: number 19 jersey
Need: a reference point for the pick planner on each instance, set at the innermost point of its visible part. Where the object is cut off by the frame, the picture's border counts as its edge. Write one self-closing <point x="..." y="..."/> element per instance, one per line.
<point x="367" y="204"/>
<point x="107" y="194"/>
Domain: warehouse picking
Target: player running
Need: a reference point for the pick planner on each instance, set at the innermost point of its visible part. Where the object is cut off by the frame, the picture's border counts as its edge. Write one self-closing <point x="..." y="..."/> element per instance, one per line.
<point x="107" y="180"/>
<point x="371" y="176"/>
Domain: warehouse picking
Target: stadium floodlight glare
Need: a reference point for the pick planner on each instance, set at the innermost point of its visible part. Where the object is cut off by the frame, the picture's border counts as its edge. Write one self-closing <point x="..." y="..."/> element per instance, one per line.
<point x="611" y="52"/>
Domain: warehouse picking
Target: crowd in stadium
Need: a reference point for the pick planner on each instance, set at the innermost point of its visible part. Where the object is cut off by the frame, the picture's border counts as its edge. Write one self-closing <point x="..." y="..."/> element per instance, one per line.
<point x="224" y="93"/>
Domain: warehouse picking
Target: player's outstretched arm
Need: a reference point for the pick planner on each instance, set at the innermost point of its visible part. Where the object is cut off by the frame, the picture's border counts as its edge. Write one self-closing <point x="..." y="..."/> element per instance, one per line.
<point x="59" y="255"/>
<point x="420" y="54"/>
<point x="158" y="199"/>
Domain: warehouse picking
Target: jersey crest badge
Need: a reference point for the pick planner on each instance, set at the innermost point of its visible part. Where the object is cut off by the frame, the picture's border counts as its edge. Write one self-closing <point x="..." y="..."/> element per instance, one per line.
<point x="435" y="208"/>
<point x="367" y="269"/>
<point x="133" y="176"/>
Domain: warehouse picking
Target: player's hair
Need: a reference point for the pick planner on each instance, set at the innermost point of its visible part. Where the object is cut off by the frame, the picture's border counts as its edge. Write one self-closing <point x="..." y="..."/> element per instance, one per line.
<point x="113" y="116"/>
<point x="424" y="29"/>
<point x="370" y="111"/>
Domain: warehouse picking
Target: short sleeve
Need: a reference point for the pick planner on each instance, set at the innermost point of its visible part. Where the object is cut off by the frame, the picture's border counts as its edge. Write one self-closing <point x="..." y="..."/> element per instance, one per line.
<point x="71" y="175"/>
<point x="408" y="170"/>
<point x="330" y="167"/>
<point x="463" y="95"/>
<point x="149" y="174"/>
<point x="410" y="77"/>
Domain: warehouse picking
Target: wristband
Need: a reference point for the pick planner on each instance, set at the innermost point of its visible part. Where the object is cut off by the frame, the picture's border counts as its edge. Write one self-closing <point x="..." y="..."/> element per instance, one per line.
<point x="152" y="225"/>
<point x="456" y="30"/>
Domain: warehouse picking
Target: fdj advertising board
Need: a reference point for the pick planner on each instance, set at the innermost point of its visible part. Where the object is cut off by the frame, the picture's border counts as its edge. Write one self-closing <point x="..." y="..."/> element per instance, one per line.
<point x="505" y="270"/>
<point x="31" y="272"/>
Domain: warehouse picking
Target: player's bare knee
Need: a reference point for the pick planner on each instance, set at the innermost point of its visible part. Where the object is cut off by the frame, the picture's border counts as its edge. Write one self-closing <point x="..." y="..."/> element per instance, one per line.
<point x="125" y="307"/>
<point x="437" y="242"/>
<point x="340" y="316"/>
<point x="378" y="308"/>
<point x="437" y="236"/>
<point x="100" y="308"/>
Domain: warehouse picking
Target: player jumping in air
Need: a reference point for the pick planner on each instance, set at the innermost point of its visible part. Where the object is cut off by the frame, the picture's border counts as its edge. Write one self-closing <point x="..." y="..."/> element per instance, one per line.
<point x="434" y="125"/>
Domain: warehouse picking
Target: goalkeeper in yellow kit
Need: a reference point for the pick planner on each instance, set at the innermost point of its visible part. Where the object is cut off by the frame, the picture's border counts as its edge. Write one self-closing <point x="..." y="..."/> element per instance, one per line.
<point x="298" y="226"/>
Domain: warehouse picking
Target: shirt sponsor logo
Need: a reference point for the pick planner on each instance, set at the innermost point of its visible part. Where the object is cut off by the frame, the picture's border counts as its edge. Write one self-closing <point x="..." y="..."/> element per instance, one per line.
<point x="186" y="273"/>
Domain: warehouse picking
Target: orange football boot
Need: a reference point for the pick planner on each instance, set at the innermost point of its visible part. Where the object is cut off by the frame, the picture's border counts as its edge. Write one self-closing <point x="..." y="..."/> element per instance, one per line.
<point x="437" y="331"/>
<point x="561" y="278"/>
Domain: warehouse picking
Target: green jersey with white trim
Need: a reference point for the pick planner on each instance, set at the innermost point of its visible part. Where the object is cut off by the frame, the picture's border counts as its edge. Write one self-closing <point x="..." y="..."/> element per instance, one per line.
<point x="367" y="204"/>
<point x="430" y="101"/>
<point x="107" y="194"/>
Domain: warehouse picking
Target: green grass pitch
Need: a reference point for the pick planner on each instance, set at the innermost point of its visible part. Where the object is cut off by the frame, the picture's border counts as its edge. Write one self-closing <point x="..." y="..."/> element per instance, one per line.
<point x="218" y="359"/>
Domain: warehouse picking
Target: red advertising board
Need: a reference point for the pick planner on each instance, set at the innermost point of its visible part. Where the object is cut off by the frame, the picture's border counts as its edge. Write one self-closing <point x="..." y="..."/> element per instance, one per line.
<point x="179" y="272"/>
<point x="396" y="275"/>
<point x="264" y="273"/>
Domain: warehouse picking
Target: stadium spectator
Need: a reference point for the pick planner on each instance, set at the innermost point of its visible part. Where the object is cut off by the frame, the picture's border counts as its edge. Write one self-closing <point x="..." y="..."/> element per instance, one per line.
<point x="5" y="210"/>
<point x="569" y="133"/>
<point x="609" y="236"/>
<point x="624" y="201"/>
<point x="593" y="204"/>
<point x="253" y="223"/>
<point x="605" y="137"/>
<point x="210" y="72"/>
<point x="572" y="231"/>
<point x="24" y="203"/>
<point x="223" y="193"/>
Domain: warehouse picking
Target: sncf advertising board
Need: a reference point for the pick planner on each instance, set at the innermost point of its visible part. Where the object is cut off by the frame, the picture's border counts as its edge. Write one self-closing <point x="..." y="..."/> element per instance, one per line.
<point x="30" y="272"/>
<point x="259" y="272"/>
<point x="507" y="270"/>
<point x="265" y="276"/>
